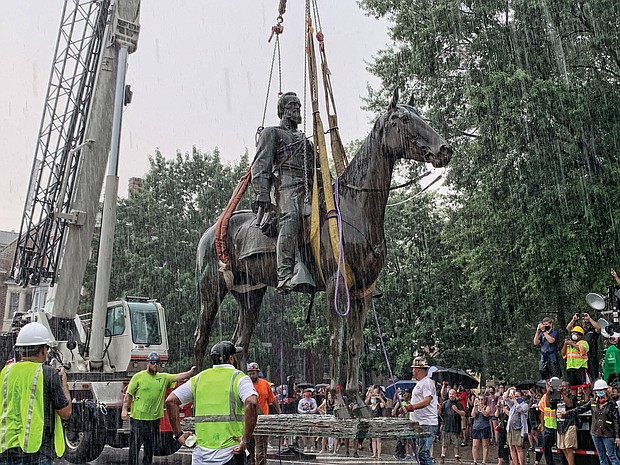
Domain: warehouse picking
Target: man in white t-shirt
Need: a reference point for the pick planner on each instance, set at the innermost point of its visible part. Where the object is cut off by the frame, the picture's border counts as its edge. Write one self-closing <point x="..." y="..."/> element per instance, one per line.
<point x="223" y="431"/>
<point x="423" y="408"/>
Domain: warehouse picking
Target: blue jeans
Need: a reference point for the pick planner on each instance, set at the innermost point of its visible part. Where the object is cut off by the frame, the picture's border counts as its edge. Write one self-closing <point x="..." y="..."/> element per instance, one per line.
<point x="424" y="445"/>
<point x="606" y="450"/>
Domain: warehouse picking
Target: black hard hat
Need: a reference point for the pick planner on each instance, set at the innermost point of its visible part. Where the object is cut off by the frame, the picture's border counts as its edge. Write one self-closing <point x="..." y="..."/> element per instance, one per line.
<point x="222" y="350"/>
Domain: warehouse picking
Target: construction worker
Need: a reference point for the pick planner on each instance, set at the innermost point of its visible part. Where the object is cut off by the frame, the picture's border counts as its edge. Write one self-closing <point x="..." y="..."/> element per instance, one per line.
<point x="266" y="397"/>
<point x="548" y="408"/>
<point x="605" y="423"/>
<point x="575" y="351"/>
<point x="35" y="398"/>
<point x="146" y="393"/>
<point x="225" y="404"/>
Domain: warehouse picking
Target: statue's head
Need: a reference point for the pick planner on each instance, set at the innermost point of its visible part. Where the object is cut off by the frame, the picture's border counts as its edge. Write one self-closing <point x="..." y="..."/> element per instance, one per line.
<point x="289" y="108"/>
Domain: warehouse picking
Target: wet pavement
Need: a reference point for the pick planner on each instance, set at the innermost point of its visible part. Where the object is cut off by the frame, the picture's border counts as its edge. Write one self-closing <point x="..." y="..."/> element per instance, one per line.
<point x="111" y="456"/>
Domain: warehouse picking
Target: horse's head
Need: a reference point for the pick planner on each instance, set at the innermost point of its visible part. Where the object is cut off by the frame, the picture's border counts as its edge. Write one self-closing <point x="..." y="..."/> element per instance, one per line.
<point x="407" y="135"/>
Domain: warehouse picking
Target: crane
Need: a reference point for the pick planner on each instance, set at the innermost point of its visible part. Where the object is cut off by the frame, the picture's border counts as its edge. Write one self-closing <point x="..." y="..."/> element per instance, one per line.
<point x="79" y="136"/>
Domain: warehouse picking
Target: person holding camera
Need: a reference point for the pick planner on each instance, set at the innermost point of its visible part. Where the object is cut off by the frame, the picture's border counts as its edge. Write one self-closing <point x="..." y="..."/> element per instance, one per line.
<point x="591" y="333"/>
<point x="548" y="409"/>
<point x="481" y="429"/>
<point x="575" y="351"/>
<point x="567" y="425"/>
<point x="517" y="408"/>
<point x="377" y="401"/>
<point x="546" y="337"/>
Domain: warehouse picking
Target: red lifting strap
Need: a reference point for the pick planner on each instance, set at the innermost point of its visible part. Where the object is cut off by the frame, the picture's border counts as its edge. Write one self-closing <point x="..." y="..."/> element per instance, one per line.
<point x="221" y="227"/>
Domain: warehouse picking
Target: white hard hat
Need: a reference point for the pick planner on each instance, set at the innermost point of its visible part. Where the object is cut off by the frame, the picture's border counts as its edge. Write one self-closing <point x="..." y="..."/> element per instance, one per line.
<point x="33" y="334"/>
<point x="600" y="384"/>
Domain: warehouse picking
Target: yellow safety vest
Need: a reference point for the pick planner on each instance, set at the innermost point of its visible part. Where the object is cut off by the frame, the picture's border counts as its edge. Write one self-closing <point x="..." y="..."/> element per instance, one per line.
<point x="550" y="419"/>
<point x="22" y="410"/>
<point x="218" y="411"/>
<point x="574" y="359"/>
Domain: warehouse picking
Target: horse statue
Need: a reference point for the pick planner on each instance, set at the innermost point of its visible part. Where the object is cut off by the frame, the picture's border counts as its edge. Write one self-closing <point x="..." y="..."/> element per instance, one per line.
<point x="363" y="191"/>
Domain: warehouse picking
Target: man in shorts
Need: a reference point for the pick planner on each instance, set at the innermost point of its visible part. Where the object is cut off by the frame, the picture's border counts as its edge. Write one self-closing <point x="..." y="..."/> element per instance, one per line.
<point x="567" y="426"/>
<point x="452" y="412"/>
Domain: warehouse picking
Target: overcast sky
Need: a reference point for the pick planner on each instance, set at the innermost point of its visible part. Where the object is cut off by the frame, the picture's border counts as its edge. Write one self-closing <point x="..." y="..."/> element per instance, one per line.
<point x="199" y="77"/>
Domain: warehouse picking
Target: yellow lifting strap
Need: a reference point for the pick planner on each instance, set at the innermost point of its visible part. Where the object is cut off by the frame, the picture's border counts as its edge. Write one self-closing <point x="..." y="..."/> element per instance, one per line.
<point x="338" y="153"/>
<point x="321" y="149"/>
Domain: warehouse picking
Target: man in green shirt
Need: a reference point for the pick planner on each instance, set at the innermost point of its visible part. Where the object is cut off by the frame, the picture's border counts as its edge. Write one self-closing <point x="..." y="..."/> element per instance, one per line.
<point x="146" y="392"/>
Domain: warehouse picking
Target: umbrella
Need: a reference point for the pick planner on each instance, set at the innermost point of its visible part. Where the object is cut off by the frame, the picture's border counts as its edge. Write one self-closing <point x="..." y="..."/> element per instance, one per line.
<point x="530" y="383"/>
<point x="402" y="384"/>
<point x="455" y="376"/>
<point x="304" y="385"/>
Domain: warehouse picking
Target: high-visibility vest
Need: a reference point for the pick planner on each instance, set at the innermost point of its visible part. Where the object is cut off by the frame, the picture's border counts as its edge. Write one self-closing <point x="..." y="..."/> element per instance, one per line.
<point x="550" y="419"/>
<point x="219" y="414"/>
<point x="574" y="359"/>
<point x="22" y="411"/>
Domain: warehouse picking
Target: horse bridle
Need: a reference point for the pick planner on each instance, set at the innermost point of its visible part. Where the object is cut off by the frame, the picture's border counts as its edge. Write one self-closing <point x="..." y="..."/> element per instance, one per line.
<point x="387" y="189"/>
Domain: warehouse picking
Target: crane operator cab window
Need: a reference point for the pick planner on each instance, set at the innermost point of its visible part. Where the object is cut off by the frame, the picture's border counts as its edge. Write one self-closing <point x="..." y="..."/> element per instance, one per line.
<point x="115" y="321"/>
<point x="145" y="327"/>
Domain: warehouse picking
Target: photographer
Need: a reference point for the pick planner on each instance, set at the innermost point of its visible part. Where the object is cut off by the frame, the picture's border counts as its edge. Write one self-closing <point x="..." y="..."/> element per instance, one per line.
<point x="481" y="429"/>
<point x="546" y="337"/>
<point x="567" y="425"/>
<point x="548" y="408"/>
<point x="575" y="351"/>
<point x="591" y="332"/>
<point x="517" y="408"/>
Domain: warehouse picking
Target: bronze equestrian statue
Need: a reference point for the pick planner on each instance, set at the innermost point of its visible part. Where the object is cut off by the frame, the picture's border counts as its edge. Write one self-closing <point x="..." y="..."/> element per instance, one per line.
<point x="362" y="191"/>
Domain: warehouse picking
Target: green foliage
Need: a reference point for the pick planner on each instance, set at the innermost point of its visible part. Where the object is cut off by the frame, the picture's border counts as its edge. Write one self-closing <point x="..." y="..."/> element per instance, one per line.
<point x="158" y="228"/>
<point x="527" y="94"/>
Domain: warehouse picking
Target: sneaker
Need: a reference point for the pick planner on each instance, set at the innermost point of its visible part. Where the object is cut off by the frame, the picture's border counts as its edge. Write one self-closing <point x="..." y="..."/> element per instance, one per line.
<point x="457" y="460"/>
<point x="442" y="460"/>
<point x="312" y="449"/>
<point x="306" y="449"/>
<point x="355" y="454"/>
<point x="463" y="444"/>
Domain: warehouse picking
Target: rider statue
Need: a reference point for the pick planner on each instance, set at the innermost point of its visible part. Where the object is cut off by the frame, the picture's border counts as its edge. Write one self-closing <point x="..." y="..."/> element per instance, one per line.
<point x="282" y="156"/>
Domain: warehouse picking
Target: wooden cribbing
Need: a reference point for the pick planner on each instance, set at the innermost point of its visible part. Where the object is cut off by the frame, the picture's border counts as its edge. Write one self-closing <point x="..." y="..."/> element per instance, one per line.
<point x="330" y="426"/>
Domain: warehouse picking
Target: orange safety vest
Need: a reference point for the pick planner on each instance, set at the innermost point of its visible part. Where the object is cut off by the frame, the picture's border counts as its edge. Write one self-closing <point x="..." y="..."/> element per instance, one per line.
<point x="550" y="419"/>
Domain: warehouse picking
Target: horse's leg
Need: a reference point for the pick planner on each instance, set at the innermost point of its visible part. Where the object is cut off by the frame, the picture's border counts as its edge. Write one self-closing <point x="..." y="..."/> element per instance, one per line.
<point x="354" y="341"/>
<point x="249" y="308"/>
<point x="212" y="289"/>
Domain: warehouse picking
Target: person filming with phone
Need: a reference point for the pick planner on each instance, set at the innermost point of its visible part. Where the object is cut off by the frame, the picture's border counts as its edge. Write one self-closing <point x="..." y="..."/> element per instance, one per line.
<point x="591" y="334"/>
<point x="546" y="337"/>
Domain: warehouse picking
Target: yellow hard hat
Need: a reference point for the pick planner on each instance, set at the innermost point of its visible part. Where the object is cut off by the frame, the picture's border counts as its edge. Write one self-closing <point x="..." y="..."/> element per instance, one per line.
<point x="578" y="329"/>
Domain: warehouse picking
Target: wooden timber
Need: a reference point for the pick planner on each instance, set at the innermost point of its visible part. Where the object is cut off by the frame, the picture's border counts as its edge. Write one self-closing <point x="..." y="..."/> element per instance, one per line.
<point x="330" y="426"/>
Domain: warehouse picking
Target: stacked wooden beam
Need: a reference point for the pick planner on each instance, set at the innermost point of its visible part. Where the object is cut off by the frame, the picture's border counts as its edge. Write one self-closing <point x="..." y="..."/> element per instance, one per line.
<point x="329" y="426"/>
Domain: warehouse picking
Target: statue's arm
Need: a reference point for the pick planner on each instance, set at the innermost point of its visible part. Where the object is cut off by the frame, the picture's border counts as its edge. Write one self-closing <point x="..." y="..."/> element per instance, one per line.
<point x="262" y="166"/>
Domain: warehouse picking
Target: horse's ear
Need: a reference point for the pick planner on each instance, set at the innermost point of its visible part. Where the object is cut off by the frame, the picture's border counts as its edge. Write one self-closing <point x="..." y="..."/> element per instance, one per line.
<point x="411" y="101"/>
<point x="394" y="101"/>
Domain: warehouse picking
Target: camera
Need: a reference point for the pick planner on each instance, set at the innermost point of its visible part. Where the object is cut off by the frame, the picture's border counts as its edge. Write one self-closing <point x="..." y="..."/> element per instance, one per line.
<point x="546" y="327"/>
<point x="580" y="315"/>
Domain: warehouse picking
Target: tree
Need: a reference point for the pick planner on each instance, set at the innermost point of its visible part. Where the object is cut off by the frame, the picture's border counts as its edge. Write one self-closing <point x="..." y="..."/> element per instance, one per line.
<point x="527" y="93"/>
<point x="158" y="228"/>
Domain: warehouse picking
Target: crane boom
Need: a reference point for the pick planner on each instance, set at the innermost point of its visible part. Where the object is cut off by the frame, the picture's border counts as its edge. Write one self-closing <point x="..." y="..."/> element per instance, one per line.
<point x="61" y="133"/>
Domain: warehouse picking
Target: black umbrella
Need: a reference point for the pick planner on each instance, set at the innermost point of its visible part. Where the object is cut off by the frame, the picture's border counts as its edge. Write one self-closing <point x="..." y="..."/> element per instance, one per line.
<point x="455" y="377"/>
<point x="530" y="383"/>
